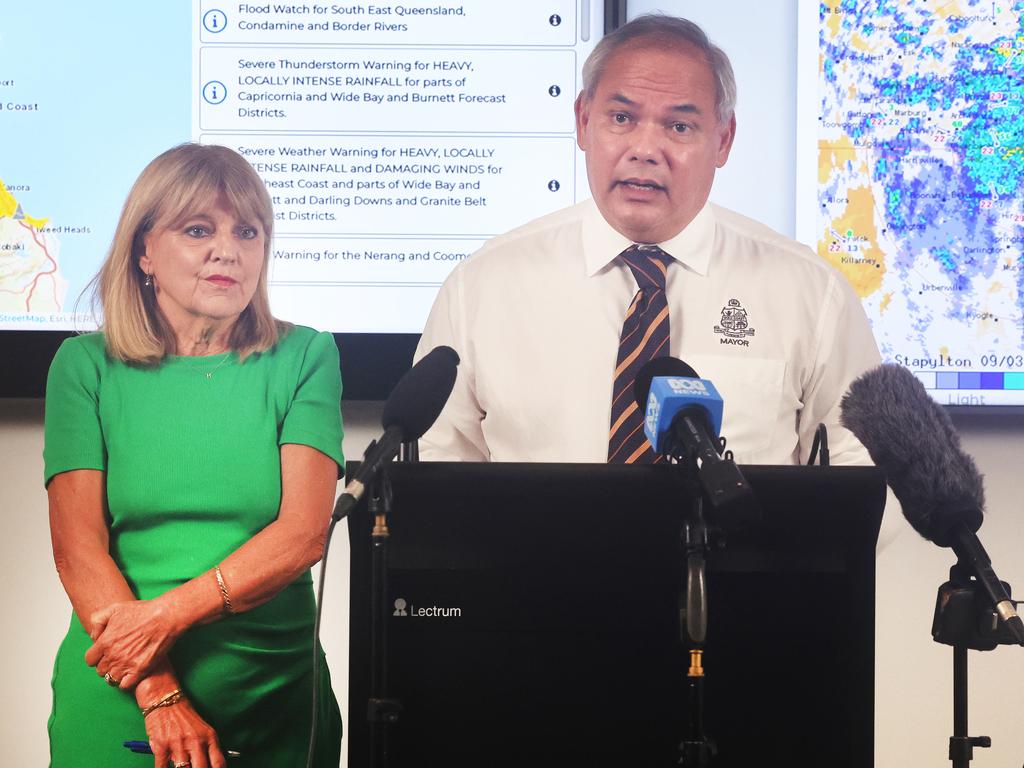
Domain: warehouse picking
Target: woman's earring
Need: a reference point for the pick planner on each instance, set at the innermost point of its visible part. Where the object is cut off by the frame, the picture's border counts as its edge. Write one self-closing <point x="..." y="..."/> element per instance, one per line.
<point x="148" y="282"/>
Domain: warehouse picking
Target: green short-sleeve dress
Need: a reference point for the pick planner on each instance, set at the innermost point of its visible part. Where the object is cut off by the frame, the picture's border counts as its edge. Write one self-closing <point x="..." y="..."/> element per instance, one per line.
<point x="193" y="471"/>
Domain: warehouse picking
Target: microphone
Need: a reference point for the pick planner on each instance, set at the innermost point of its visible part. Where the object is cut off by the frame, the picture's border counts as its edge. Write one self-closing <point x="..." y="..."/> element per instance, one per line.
<point x="674" y="401"/>
<point x="658" y="366"/>
<point x="414" y="405"/>
<point x="683" y="418"/>
<point x="912" y="439"/>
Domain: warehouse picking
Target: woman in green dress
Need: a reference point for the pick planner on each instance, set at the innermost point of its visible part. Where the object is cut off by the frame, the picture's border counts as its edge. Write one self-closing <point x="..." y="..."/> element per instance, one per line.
<point x="192" y="451"/>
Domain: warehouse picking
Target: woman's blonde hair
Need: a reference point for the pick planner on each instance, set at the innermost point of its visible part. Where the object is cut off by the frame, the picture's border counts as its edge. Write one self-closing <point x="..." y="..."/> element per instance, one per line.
<point x="183" y="180"/>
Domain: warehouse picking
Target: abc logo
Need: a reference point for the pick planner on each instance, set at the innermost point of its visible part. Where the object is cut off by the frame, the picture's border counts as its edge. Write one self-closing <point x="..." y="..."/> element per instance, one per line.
<point x="688" y="386"/>
<point x="653" y="410"/>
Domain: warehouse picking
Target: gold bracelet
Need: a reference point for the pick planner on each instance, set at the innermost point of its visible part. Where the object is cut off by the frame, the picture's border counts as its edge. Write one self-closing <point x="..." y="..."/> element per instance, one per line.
<point x="170" y="699"/>
<point x="224" y="596"/>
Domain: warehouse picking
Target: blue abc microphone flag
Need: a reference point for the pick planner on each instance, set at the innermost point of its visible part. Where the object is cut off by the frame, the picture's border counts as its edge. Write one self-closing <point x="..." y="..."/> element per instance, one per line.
<point x="671" y="394"/>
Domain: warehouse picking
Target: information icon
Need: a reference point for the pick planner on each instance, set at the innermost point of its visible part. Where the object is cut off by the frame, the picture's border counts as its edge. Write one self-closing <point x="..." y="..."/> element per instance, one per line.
<point x="214" y="92"/>
<point x="554" y="186"/>
<point x="215" y="21"/>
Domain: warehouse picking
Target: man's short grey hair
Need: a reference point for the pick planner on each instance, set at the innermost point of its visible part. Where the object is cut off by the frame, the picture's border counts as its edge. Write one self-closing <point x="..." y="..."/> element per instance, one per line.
<point x="658" y="30"/>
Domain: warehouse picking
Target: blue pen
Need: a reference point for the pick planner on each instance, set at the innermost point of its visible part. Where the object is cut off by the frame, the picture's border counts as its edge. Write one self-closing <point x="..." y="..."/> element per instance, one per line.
<point x="143" y="748"/>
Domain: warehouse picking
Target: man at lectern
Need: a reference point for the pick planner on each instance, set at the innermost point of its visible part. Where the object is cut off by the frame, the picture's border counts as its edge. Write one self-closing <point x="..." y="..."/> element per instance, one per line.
<point x="553" y="319"/>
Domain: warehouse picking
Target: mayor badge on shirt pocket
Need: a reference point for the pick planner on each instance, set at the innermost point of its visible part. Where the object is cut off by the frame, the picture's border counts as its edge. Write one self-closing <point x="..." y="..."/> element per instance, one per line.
<point x="734" y="325"/>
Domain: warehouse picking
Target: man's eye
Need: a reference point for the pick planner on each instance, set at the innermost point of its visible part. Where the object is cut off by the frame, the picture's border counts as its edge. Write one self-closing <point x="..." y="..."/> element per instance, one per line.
<point x="680" y="127"/>
<point x="620" y="118"/>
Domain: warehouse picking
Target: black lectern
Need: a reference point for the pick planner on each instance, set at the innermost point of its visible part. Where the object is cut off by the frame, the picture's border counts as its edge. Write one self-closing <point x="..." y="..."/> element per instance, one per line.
<point x="534" y="618"/>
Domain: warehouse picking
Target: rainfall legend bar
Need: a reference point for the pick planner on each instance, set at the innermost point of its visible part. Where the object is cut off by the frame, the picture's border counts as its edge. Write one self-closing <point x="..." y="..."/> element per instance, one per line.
<point x="973" y="380"/>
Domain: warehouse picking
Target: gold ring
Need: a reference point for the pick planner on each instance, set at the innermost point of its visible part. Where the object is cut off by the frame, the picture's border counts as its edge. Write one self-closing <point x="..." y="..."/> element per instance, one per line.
<point x="111" y="681"/>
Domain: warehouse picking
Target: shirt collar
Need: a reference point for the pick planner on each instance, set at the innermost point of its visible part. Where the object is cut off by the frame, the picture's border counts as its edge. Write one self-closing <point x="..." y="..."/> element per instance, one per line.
<point x="691" y="247"/>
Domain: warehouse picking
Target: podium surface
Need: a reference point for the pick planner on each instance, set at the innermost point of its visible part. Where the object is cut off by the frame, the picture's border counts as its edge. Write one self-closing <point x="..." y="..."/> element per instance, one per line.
<point x="534" y="618"/>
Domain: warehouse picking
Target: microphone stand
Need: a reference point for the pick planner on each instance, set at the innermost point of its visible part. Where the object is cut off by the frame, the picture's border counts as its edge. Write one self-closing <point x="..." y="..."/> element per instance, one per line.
<point x="696" y="749"/>
<point x="965" y="620"/>
<point x="381" y="711"/>
<point x="731" y="506"/>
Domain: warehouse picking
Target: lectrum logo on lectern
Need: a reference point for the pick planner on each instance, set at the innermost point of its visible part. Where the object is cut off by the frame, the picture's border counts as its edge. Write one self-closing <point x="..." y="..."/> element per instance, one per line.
<point x="405" y="608"/>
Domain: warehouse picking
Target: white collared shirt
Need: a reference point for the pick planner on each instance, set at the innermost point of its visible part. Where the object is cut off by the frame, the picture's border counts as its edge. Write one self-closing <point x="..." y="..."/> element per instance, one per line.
<point x="535" y="316"/>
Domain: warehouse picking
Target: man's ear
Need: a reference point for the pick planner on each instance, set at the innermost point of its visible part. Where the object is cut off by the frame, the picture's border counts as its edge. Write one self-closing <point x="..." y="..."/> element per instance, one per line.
<point x="728" y="135"/>
<point x="582" y="108"/>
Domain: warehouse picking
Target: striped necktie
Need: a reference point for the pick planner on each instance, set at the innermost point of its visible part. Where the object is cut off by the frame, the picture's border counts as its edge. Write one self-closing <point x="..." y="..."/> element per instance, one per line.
<point x="645" y="335"/>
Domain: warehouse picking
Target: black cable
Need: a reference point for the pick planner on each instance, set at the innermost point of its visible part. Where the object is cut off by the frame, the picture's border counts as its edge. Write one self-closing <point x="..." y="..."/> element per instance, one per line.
<point x="820" y="440"/>
<point x="824" y="445"/>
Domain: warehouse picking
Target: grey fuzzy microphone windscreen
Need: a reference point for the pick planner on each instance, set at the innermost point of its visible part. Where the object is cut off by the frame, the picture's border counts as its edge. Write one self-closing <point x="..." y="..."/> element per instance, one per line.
<point x="912" y="439"/>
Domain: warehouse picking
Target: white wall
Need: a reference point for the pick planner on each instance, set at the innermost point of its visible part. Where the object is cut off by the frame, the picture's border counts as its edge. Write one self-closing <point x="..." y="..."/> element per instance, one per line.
<point x="914" y="682"/>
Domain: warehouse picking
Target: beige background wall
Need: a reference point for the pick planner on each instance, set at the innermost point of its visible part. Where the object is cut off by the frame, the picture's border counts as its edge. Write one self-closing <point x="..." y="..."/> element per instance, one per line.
<point x="913" y="716"/>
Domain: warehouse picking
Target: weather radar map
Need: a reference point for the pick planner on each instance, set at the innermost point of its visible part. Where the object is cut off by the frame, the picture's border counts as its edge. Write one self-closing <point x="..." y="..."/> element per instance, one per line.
<point x="921" y="174"/>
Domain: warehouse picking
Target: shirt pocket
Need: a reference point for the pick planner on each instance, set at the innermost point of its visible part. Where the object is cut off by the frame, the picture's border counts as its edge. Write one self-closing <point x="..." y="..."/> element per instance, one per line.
<point x="752" y="393"/>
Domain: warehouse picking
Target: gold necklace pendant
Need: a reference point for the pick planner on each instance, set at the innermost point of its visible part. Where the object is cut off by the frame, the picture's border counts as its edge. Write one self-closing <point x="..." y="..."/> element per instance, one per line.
<point x="209" y="374"/>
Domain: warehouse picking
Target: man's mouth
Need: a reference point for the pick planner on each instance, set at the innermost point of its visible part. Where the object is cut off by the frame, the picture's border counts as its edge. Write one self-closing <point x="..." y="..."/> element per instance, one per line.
<point x="642" y="186"/>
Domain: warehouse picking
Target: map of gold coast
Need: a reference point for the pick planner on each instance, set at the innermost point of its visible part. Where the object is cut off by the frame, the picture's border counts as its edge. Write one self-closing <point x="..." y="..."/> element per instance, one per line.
<point x="30" y="281"/>
<point x="921" y="174"/>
